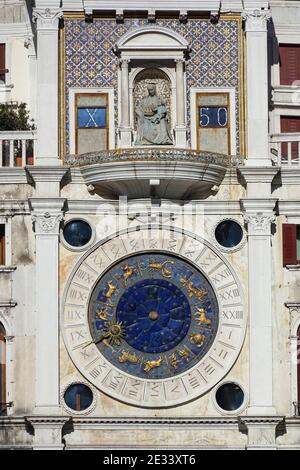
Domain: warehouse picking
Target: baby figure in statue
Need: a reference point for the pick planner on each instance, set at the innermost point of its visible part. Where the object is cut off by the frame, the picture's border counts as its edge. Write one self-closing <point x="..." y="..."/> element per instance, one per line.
<point x="153" y="126"/>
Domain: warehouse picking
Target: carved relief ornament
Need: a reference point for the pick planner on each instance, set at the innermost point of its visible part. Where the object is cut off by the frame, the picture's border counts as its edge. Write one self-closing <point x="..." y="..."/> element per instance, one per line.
<point x="256" y="20"/>
<point x="260" y="223"/>
<point x="47" y="223"/>
<point x="47" y="19"/>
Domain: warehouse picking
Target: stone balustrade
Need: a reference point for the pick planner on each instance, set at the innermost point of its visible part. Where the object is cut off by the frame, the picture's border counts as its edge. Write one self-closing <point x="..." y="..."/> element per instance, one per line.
<point x="17" y="148"/>
<point x="285" y="149"/>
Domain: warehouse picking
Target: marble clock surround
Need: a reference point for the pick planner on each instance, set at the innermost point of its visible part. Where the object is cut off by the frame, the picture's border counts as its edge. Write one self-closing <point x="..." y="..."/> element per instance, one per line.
<point x="126" y="387"/>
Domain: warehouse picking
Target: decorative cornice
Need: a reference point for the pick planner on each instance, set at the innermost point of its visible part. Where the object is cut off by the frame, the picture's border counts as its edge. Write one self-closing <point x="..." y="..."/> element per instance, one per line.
<point x="153" y="422"/>
<point x="256" y="20"/>
<point x="289" y="208"/>
<point x="258" y="174"/>
<point x="13" y="175"/>
<point x="45" y="174"/>
<point x="252" y="206"/>
<point x="290" y="176"/>
<point x="47" y="421"/>
<point x="261" y="420"/>
<point x="10" y="207"/>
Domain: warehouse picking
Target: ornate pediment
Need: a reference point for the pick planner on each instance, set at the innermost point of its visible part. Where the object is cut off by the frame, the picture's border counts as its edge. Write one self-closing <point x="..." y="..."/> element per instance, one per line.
<point x="151" y="38"/>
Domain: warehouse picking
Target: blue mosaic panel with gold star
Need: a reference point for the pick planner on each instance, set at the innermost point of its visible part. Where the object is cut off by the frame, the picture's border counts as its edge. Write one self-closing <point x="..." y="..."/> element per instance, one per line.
<point x="153" y="315"/>
<point x="214" y="58"/>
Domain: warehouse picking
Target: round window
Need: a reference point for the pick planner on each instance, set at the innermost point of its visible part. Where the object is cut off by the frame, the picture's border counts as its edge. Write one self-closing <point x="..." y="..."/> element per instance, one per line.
<point x="230" y="397"/>
<point x="77" y="233"/>
<point x="229" y="233"/>
<point x="78" y="397"/>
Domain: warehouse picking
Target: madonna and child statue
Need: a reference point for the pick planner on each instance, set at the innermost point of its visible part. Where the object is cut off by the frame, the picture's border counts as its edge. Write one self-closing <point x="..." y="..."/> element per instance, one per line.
<point x="152" y="125"/>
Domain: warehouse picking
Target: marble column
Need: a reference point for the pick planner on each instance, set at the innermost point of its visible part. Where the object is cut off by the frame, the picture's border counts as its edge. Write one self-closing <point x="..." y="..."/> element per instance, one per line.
<point x="125" y="130"/>
<point x="257" y="86"/>
<point x="180" y="129"/>
<point x="47" y="22"/>
<point x="259" y="216"/>
<point x="47" y="214"/>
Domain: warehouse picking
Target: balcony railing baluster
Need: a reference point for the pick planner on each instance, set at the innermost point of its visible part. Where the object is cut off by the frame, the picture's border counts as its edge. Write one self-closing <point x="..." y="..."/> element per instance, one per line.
<point x="17" y="148"/>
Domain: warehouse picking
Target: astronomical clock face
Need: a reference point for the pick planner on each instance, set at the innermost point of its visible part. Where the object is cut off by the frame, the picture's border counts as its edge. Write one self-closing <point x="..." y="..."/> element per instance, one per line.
<point x="153" y="315"/>
<point x="153" y="328"/>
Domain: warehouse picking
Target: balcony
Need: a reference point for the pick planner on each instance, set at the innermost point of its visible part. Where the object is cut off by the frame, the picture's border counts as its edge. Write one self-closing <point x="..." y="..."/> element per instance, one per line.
<point x="152" y="172"/>
<point x="285" y="150"/>
<point x="17" y="148"/>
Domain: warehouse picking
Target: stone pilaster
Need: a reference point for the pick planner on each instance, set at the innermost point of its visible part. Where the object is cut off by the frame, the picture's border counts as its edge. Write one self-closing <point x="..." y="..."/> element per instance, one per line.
<point x="257" y="86"/>
<point x="259" y="216"/>
<point x="47" y="22"/>
<point x="46" y="216"/>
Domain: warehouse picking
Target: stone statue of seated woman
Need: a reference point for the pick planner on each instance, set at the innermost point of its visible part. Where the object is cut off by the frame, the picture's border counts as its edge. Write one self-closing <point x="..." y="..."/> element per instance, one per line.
<point x="153" y="128"/>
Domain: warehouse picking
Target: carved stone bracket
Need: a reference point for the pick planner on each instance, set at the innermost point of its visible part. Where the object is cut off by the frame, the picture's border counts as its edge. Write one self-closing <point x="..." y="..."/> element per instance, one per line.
<point x="119" y="16"/>
<point x="183" y="16"/>
<point x="151" y="16"/>
<point x="256" y="20"/>
<point x="47" y="19"/>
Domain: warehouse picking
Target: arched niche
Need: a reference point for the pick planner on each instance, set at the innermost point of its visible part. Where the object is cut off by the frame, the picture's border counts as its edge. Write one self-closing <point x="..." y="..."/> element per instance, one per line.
<point x="139" y="50"/>
<point x="163" y="85"/>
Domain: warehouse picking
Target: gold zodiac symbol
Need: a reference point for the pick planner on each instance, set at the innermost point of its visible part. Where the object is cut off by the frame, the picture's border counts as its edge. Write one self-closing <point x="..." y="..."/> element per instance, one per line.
<point x="127" y="357"/>
<point x="173" y="361"/>
<point x="151" y="364"/>
<point x="184" y="354"/>
<point x="102" y="314"/>
<point x="111" y="290"/>
<point x="108" y="345"/>
<point x="201" y="316"/>
<point x="163" y="267"/>
<point x="128" y="272"/>
<point x="193" y="291"/>
<point x="197" y="338"/>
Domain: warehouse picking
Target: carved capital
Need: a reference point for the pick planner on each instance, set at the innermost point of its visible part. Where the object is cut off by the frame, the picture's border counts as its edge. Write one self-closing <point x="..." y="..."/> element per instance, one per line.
<point x="47" y="19"/>
<point x="259" y="223"/>
<point x="47" y="223"/>
<point x="180" y="61"/>
<point x="256" y="20"/>
<point x="124" y="63"/>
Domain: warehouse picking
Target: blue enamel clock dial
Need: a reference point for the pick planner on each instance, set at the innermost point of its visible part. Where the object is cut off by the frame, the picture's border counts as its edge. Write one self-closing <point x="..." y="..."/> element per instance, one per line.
<point x="153" y="315"/>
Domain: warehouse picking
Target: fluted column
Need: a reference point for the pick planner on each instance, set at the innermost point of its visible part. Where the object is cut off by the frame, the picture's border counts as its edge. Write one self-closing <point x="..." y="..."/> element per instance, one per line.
<point x="47" y="22"/>
<point x="180" y="129"/>
<point x="125" y="130"/>
<point x="257" y="86"/>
